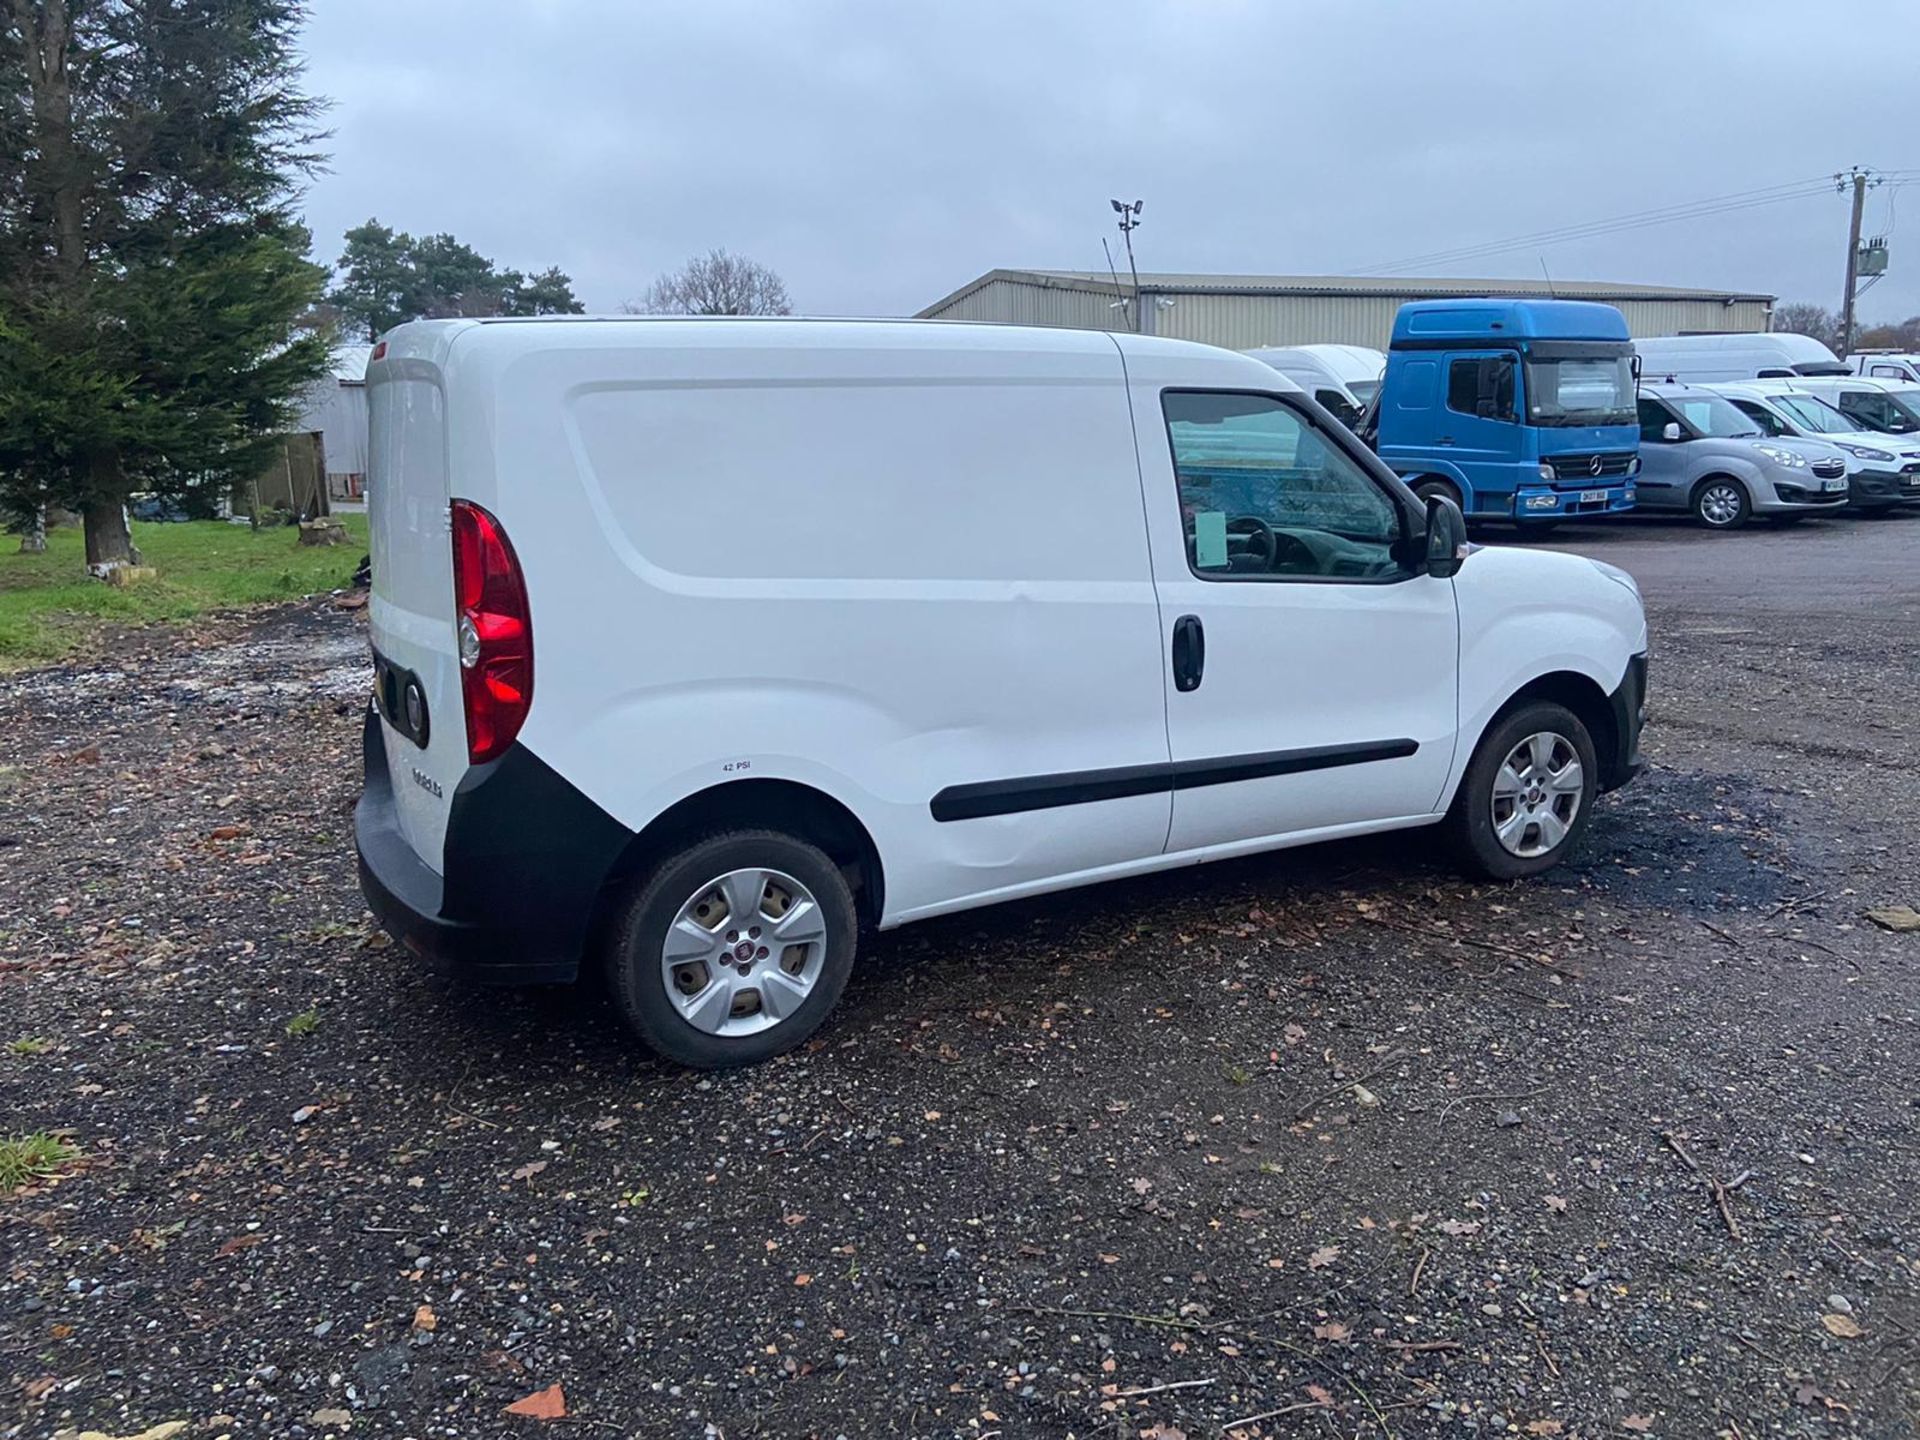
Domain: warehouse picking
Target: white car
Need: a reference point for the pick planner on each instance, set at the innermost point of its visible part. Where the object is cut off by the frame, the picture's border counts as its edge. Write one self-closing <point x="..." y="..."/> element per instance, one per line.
<point x="1886" y="365"/>
<point x="702" y="644"/>
<point x="1884" y="470"/>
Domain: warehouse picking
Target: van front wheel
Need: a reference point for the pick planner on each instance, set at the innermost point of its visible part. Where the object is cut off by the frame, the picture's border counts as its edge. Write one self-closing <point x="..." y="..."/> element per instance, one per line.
<point x="1527" y="794"/>
<point x="734" y="950"/>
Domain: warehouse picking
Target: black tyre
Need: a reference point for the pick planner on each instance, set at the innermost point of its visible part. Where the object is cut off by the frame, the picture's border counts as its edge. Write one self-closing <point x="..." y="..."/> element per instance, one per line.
<point x="734" y="950"/>
<point x="1527" y="794"/>
<point x="1430" y="485"/>
<point x="1720" y="503"/>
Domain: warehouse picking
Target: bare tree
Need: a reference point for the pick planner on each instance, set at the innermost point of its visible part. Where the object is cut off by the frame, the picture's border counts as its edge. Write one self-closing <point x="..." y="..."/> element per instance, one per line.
<point x="716" y="284"/>
<point x="1804" y="319"/>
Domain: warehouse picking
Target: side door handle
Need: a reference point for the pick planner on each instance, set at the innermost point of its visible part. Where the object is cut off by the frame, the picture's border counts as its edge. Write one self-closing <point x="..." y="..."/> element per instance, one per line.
<point x="1189" y="652"/>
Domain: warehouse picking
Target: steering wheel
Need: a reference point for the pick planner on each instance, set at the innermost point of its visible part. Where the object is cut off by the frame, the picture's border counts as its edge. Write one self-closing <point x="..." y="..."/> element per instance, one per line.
<point x="1256" y="532"/>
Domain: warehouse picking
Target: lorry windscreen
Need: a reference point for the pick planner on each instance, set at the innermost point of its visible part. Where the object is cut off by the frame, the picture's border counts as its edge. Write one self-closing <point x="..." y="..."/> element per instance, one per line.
<point x="1580" y="389"/>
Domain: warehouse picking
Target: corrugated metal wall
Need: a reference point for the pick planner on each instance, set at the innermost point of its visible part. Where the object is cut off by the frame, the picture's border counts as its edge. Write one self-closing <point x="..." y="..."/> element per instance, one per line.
<point x="1245" y="322"/>
<point x="1006" y="303"/>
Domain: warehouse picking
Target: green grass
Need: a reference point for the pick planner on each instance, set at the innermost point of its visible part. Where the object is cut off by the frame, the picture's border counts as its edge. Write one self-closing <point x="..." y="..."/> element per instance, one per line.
<point x="305" y="1023"/>
<point x="30" y="1045"/>
<point x="51" y="609"/>
<point x="27" y="1158"/>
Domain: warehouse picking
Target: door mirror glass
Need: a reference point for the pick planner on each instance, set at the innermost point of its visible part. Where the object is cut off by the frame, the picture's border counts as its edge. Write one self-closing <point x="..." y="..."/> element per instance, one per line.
<point x="1446" y="537"/>
<point x="1670" y="432"/>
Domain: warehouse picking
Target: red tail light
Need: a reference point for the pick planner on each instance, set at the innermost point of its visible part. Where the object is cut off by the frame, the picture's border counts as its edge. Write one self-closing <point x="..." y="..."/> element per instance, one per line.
<point x="494" y="630"/>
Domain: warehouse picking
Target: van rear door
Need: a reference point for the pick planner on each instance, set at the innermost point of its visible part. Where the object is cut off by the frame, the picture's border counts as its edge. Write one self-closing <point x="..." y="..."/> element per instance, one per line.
<point x="416" y="659"/>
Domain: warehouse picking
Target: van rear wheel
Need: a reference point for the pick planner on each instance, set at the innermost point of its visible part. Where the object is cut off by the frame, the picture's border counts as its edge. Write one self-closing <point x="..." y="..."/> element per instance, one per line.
<point x="1527" y="794"/>
<point x="734" y="949"/>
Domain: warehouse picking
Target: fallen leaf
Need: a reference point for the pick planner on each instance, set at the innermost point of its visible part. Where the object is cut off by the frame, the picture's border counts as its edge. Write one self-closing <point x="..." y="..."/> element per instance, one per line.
<point x="1894" y="917"/>
<point x="530" y="1169"/>
<point x="1320" y="1395"/>
<point x="803" y="1279"/>
<point x="1459" y="1227"/>
<point x="1294" y="1034"/>
<point x="229" y="832"/>
<point x="1544" y="1427"/>
<point x="547" y="1404"/>
<point x="1559" y="1207"/>
<point x="1162" y="1431"/>
<point x="425" y="1319"/>
<point x="1642" y="1423"/>
<point x="1323" y="1257"/>
<point x="1845" y="1326"/>
<point x="1332" y="1330"/>
<point x="1141" y="1185"/>
<point x="332" y="1416"/>
<point x="237" y="1244"/>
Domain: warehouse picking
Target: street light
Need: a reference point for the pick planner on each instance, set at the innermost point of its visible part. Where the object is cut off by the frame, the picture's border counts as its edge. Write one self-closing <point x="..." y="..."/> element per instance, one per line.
<point x="1129" y="220"/>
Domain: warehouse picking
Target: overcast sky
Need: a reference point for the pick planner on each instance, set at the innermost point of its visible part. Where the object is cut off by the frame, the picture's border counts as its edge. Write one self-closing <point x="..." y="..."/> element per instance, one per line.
<point x="879" y="155"/>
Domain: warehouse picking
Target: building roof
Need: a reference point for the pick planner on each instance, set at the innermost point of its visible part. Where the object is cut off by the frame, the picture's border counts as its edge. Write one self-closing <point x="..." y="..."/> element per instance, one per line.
<point x="349" y="365"/>
<point x="1398" y="287"/>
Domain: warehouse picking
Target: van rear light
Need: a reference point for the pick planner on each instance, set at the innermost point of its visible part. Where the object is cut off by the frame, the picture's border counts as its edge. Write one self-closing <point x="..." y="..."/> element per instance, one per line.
<point x="495" y="632"/>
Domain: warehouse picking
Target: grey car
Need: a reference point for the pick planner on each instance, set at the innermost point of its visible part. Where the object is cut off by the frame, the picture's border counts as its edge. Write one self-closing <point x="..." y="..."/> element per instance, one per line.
<point x="1700" y="453"/>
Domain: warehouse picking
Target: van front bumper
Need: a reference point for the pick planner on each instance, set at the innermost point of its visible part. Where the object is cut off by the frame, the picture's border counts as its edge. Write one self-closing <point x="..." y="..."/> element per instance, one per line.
<point x="1628" y="703"/>
<point x="1878" y="489"/>
<point x="528" y="859"/>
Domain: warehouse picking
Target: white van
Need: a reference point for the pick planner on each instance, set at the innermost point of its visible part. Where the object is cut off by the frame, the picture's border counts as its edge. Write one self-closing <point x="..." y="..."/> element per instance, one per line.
<point x="1358" y="367"/>
<point x="701" y="644"/>
<point x="1886" y="365"/>
<point x="1883" y="406"/>
<point x="1313" y="374"/>
<point x="1697" y="359"/>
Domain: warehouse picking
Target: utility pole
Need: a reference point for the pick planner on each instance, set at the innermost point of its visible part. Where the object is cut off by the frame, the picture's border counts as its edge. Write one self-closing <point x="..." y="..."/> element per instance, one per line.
<point x="1129" y="221"/>
<point x="1859" y="180"/>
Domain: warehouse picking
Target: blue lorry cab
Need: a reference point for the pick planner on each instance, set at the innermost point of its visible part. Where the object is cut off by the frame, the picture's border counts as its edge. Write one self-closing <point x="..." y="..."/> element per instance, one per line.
<point x="1519" y="409"/>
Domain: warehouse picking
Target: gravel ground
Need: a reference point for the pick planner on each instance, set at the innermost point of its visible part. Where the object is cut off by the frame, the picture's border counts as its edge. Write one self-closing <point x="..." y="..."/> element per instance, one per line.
<point x="1331" y="1136"/>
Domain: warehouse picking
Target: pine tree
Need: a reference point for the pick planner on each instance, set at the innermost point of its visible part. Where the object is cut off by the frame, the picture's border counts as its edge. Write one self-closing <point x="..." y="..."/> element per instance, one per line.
<point x="153" y="275"/>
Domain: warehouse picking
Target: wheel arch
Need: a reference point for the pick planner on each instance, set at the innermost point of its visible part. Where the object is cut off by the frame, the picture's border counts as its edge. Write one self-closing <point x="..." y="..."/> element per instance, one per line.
<point x="1581" y="694"/>
<point x="786" y="805"/>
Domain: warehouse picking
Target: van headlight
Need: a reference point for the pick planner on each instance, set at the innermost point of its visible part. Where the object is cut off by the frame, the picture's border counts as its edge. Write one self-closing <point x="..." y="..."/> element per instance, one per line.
<point x="1788" y="458"/>
<point x="1865" y="452"/>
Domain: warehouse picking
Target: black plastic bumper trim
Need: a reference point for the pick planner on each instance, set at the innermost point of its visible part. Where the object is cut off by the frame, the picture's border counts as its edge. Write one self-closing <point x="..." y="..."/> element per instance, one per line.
<point x="1629" y="705"/>
<point x="526" y="858"/>
<point x="1079" y="787"/>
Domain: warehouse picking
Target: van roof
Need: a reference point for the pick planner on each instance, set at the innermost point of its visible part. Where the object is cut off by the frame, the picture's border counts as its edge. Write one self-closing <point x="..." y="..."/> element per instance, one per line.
<point x="1497" y="320"/>
<point x="433" y="340"/>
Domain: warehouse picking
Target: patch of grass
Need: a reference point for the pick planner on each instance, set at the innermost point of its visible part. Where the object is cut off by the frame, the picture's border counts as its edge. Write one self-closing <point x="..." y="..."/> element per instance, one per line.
<point x="29" y="1045"/>
<point x="50" y="608"/>
<point x="1237" y="1075"/>
<point x="27" y="1158"/>
<point x="305" y="1023"/>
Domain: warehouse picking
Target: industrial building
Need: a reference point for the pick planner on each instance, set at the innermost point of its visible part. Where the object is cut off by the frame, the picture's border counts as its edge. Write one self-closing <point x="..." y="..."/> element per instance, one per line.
<point x="1243" y="312"/>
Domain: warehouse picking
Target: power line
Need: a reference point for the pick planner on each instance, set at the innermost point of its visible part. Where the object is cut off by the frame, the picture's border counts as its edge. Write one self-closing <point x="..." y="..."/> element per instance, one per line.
<point x="1664" y="215"/>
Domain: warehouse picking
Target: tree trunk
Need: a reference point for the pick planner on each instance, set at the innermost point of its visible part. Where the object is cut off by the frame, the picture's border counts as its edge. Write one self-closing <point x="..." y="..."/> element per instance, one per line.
<point x="109" y="539"/>
<point x="46" y="30"/>
<point x="33" y="537"/>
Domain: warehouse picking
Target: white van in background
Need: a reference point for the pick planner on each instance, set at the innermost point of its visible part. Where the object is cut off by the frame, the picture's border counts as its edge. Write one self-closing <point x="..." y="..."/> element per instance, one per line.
<point x="1887" y="407"/>
<point x="1698" y="359"/>
<point x="1313" y="374"/>
<point x="702" y="644"/>
<point x="1357" y="367"/>
<point x="1886" y="365"/>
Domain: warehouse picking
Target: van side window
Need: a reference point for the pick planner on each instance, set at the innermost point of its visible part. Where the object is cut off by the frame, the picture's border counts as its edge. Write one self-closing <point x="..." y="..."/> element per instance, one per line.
<point x="1482" y="386"/>
<point x="1654" y="417"/>
<point x="1265" y="495"/>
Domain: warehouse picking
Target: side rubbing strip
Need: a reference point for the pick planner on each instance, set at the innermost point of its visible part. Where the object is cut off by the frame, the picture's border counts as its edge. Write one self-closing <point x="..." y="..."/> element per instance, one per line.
<point x="1079" y="787"/>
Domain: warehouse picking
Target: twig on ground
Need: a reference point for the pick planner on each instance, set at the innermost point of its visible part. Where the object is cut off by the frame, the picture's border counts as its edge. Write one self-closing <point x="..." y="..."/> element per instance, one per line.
<point x="1726" y="1209"/>
<point x="1739" y="1180"/>
<point x="1171" y="1322"/>
<point x="1274" y="1414"/>
<point x="1447" y="1109"/>
<point x="1477" y="943"/>
<point x="1541" y="1346"/>
<point x="1156" y="1389"/>
<point x="1418" y="1266"/>
<point x="1673" y="1144"/>
<point x="1387" y="1062"/>
<point x="1419" y="1347"/>
<point x="1721" y="933"/>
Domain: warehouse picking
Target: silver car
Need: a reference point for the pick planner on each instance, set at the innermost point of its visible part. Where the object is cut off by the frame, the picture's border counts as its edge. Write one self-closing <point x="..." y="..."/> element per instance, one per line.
<point x="1700" y="453"/>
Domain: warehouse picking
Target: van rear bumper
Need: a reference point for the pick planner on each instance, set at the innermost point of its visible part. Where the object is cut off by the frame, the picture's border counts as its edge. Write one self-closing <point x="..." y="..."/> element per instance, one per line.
<point x="527" y="860"/>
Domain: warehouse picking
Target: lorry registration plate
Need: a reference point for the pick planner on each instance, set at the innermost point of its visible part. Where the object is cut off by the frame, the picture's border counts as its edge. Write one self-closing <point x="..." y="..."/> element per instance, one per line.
<point x="1593" y="497"/>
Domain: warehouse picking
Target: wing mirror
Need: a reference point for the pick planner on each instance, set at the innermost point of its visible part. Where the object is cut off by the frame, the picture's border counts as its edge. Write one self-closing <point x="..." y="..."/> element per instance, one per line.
<point x="1446" y="537"/>
<point x="1670" y="432"/>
